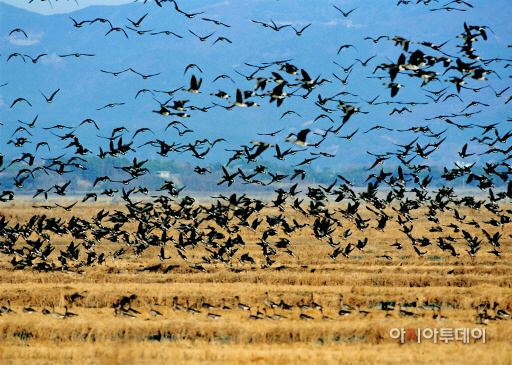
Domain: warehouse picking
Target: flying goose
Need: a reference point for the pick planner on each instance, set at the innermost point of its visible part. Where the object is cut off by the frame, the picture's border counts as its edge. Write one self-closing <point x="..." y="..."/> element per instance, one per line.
<point x="299" y="32"/>
<point x="216" y="22"/>
<point x="137" y="23"/>
<point x="34" y="60"/>
<point x="202" y="39"/>
<point x="239" y="101"/>
<point x="18" y="30"/>
<point x="167" y="32"/>
<point x="117" y="29"/>
<point x="394" y="87"/>
<point x="16" y="55"/>
<point x="301" y="138"/>
<point x="347" y="13"/>
<point x="221" y="39"/>
<point x="186" y="14"/>
<point x="194" y="85"/>
<point x="140" y="32"/>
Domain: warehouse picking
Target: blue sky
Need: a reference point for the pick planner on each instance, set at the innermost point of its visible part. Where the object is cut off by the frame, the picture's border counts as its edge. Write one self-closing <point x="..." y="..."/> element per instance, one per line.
<point x="84" y="88"/>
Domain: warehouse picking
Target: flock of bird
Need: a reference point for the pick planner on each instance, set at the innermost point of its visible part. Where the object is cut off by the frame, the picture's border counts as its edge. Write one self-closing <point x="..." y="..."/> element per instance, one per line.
<point x="123" y="307"/>
<point x="171" y="219"/>
<point x="308" y="309"/>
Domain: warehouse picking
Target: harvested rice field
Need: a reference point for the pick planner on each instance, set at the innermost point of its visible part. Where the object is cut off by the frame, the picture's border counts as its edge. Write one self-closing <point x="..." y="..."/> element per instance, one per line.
<point x="304" y="309"/>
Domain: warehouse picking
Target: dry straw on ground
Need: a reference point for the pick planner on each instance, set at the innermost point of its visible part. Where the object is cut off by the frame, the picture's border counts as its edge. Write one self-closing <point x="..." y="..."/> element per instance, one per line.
<point x="461" y="286"/>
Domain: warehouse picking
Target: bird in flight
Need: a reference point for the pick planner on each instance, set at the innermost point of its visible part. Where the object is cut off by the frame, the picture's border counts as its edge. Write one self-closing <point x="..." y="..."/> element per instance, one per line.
<point x="167" y="32"/>
<point x="77" y="55"/>
<point x="34" y="60"/>
<point x="50" y="99"/>
<point x="299" y="32"/>
<point x="79" y="25"/>
<point x="270" y="134"/>
<point x="117" y="29"/>
<point x="16" y="55"/>
<point x="221" y="39"/>
<point x="144" y="76"/>
<point x="192" y="65"/>
<point x="115" y="73"/>
<point x="216" y="22"/>
<point x="301" y="138"/>
<point x="202" y="39"/>
<point x="346" y="46"/>
<point x="186" y="14"/>
<point x="376" y="40"/>
<point x="18" y="30"/>
<point x="18" y="100"/>
<point x="111" y="105"/>
<point x="137" y="23"/>
<point x="347" y="13"/>
<point x="194" y="85"/>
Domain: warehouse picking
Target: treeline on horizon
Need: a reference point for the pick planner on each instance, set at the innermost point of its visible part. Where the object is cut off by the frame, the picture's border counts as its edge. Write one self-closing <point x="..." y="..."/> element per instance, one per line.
<point x="84" y="176"/>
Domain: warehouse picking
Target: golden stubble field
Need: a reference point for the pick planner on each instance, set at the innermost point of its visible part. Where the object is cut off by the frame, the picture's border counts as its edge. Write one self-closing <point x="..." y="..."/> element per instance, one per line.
<point x="461" y="286"/>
